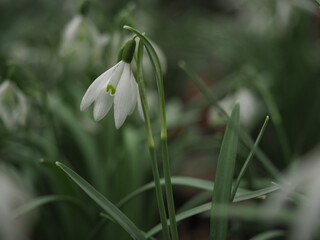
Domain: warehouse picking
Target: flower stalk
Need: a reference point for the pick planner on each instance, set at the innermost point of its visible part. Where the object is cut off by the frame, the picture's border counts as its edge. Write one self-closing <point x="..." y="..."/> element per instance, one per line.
<point x="155" y="170"/>
<point x="164" y="145"/>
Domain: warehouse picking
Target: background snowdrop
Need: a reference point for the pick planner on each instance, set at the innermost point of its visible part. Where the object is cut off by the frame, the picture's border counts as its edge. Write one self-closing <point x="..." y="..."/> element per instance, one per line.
<point x="301" y="185"/>
<point x="249" y="107"/>
<point x="12" y="195"/>
<point x="82" y="42"/>
<point x="13" y="105"/>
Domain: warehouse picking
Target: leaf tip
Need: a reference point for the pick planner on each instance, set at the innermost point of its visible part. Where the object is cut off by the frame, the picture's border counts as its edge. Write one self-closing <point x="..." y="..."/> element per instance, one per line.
<point x="58" y="163"/>
<point x="182" y="64"/>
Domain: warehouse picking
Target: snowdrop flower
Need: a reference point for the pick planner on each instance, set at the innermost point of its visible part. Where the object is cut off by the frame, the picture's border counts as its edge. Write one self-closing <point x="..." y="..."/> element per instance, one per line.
<point x="82" y="40"/>
<point x="303" y="182"/>
<point x="249" y="107"/>
<point x="12" y="195"/>
<point x="117" y="85"/>
<point x="13" y="105"/>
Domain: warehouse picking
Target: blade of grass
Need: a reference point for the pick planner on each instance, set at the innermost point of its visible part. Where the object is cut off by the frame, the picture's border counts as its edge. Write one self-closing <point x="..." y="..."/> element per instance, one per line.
<point x="269" y="235"/>
<point x="105" y="204"/>
<point x="224" y="174"/>
<point x="276" y="118"/>
<point x="246" y="139"/>
<point x="40" y="201"/>
<point x="182" y="181"/>
<point x="243" y="212"/>
<point x="246" y="163"/>
<point x="108" y="218"/>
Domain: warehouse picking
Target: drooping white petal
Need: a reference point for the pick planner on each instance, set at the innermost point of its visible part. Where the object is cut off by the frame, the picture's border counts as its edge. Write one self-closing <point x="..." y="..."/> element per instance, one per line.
<point x="123" y="97"/>
<point x="94" y="89"/>
<point x="115" y="78"/>
<point x="135" y="91"/>
<point x="102" y="105"/>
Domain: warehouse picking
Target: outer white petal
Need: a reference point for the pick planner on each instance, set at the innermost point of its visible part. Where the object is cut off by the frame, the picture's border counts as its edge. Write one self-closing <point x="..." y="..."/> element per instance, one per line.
<point x="135" y="92"/>
<point x="115" y="78"/>
<point x="94" y="89"/>
<point x="123" y="97"/>
<point x="102" y="105"/>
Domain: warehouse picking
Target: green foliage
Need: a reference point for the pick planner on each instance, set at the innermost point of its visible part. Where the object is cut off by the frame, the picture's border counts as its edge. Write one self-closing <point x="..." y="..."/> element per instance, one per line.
<point x="267" y="47"/>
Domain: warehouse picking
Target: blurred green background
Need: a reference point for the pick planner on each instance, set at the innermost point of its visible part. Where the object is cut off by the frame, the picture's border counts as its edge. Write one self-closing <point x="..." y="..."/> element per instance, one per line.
<point x="265" y="52"/>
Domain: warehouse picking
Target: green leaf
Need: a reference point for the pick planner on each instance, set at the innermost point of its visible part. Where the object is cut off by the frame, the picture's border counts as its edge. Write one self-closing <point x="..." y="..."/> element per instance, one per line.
<point x="105" y="204"/>
<point x="207" y="207"/>
<point x="182" y="181"/>
<point x="246" y="163"/>
<point x="224" y="174"/>
<point x="83" y="139"/>
<point x="40" y="201"/>
<point x="269" y="235"/>
<point x="246" y="139"/>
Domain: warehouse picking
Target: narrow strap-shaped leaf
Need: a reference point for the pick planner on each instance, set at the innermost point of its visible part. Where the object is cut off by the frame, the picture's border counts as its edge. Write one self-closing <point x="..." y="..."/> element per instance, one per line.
<point x="246" y="139"/>
<point x="182" y="181"/>
<point x="269" y="235"/>
<point x="246" y="163"/>
<point x="105" y="204"/>
<point x="40" y="201"/>
<point x="224" y="174"/>
<point x="233" y="211"/>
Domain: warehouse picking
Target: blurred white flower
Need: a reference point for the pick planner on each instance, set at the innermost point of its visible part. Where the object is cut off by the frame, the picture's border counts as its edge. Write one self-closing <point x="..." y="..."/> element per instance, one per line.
<point x="147" y="66"/>
<point x="12" y="195"/>
<point x="117" y="85"/>
<point x="249" y="107"/>
<point x="267" y="17"/>
<point x="302" y="184"/>
<point x="82" y="39"/>
<point x="13" y="105"/>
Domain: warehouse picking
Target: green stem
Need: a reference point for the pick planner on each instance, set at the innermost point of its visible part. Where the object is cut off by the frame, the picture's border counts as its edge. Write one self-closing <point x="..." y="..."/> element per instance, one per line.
<point x="246" y="163"/>
<point x="165" y="157"/>
<point x="246" y="139"/>
<point x="155" y="170"/>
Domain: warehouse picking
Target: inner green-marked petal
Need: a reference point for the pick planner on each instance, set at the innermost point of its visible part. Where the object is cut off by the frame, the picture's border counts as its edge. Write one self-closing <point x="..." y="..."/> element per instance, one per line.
<point x="111" y="88"/>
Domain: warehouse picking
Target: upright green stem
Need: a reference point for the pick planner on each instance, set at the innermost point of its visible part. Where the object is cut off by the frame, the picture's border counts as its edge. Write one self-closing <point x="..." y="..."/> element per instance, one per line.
<point x="155" y="170"/>
<point x="165" y="157"/>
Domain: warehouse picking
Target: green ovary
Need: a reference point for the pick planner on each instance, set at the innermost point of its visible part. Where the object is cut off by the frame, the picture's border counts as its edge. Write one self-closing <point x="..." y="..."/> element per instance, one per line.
<point x="112" y="89"/>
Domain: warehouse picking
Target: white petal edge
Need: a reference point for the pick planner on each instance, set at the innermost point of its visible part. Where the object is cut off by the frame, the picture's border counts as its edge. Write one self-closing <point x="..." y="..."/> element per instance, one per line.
<point x="115" y="78"/>
<point x="123" y="97"/>
<point x="95" y="87"/>
<point x="102" y="105"/>
<point x="135" y="92"/>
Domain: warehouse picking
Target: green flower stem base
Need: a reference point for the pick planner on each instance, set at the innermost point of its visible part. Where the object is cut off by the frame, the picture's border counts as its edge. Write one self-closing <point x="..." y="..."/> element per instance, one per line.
<point x="155" y="170"/>
<point x="165" y="158"/>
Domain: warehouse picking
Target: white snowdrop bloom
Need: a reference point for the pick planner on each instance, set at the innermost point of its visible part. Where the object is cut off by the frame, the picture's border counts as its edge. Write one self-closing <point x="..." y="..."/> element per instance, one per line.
<point x="249" y="107"/>
<point x="13" y="195"/>
<point x="303" y="182"/>
<point x="81" y="38"/>
<point x="13" y="105"/>
<point x="115" y="86"/>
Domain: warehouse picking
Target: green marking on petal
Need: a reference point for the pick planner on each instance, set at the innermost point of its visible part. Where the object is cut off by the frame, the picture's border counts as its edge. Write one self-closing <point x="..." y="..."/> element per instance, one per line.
<point x="112" y="88"/>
